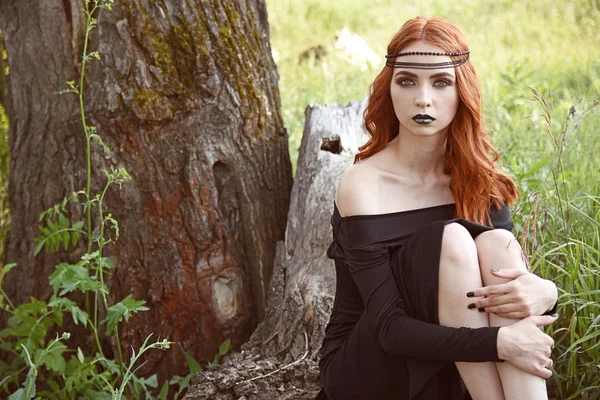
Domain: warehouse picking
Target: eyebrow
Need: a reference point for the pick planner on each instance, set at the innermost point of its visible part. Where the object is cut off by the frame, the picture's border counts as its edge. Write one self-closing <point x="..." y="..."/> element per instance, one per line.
<point x="438" y="75"/>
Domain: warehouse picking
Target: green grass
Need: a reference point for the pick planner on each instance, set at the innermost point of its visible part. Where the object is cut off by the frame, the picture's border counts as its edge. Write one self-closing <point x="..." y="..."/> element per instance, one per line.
<point x="552" y="153"/>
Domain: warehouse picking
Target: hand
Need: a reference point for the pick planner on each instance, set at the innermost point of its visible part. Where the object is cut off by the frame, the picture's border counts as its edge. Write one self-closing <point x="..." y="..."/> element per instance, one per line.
<point x="526" y="294"/>
<point x="525" y="346"/>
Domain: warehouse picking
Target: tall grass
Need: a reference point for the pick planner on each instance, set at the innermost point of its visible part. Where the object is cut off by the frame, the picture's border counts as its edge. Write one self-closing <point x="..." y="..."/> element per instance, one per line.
<point x="547" y="135"/>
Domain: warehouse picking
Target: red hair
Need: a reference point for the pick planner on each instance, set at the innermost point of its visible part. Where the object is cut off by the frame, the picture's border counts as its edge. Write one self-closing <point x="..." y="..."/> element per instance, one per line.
<point x="476" y="183"/>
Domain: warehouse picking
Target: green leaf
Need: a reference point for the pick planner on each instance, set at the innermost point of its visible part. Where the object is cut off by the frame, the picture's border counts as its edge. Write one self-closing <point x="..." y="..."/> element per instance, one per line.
<point x="18" y="395"/>
<point x="74" y="238"/>
<point x="79" y="315"/>
<point x="224" y="348"/>
<point x="65" y="239"/>
<point x="74" y="277"/>
<point x="80" y="356"/>
<point x="38" y="247"/>
<point x="184" y="383"/>
<point x="65" y="304"/>
<point x="78" y="225"/>
<point x="62" y="221"/>
<point x="191" y="362"/>
<point x="152" y="381"/>
<point x="29" y="384"/>
<point x="53" y="358"/>
<point x="62" y="303"/>
<point x="164" y="391"/>
<point x="5" y="270"/>
<point x="37" y="334"/>
<point x="122" y="310"/>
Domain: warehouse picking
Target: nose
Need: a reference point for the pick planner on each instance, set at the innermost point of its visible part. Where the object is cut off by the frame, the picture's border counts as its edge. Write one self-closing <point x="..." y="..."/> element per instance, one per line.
<point x="423" y="98"/>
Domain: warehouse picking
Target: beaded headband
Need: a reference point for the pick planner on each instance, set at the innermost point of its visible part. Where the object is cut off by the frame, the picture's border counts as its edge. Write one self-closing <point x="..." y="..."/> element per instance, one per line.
<point x="464" y="57"/>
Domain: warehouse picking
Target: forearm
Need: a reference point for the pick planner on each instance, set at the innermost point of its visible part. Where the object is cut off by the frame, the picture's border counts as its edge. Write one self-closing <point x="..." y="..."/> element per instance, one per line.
<point x="402" y="335"/>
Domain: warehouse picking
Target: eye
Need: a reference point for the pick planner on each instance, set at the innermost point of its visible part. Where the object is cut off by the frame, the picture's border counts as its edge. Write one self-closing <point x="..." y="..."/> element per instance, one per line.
<point x="405" y="82"/>
<point x="442" y="83"/>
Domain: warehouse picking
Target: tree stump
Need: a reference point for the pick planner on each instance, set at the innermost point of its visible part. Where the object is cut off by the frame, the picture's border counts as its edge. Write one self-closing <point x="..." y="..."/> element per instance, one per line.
<point x="280" y="361"/>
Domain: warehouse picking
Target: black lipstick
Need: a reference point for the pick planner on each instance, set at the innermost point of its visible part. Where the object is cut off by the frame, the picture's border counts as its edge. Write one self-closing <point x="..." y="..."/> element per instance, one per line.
<point x="423" y="119"/>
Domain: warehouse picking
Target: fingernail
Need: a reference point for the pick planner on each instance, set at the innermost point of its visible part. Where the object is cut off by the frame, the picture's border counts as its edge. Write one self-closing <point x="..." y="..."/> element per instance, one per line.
<point x="472" y="306"/>
<point x="555" y="315"/>
<point x="481" y="309"/>
<point x="470" y="294"/>
<point x="494" y="270"/>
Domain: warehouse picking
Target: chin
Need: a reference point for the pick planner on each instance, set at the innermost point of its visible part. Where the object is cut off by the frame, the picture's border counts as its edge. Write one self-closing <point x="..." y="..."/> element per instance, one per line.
<point x="425" y="130"/>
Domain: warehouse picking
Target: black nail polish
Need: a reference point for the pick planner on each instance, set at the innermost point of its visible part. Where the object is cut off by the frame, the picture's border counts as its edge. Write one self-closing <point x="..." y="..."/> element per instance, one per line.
<point x="472" y="306"/>
<point x="494" y="270"/>
<point x="470" y="294"/>
<point x="481" y="309"/>
<point x="555" y="315"/>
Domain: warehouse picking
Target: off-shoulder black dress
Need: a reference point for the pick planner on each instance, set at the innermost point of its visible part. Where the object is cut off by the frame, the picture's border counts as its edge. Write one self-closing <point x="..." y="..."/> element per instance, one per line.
<point x="383" y="340"/>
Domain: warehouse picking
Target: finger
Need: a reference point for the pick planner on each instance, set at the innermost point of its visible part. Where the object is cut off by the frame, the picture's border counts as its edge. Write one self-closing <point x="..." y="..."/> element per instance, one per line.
<point x="491" y="290"/>
<point x="508" y="273"/>
<point x="542" y="320"/>
<point x="539" y="371"/>
<point x="549" y="363"/>
<point x="513" y="315"/>
<point x="494" y="301"/>
<point x="503" y="308"/>
<point x="544" y="373"/>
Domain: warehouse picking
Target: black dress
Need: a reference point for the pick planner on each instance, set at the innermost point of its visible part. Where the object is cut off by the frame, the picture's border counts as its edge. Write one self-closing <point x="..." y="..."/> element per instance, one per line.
<point x="383" y="340"/>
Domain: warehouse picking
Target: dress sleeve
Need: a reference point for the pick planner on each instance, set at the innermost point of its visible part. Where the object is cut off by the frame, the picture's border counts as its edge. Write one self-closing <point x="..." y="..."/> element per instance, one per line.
<point x="398" y="333"/>
<point x="501" y="218"/>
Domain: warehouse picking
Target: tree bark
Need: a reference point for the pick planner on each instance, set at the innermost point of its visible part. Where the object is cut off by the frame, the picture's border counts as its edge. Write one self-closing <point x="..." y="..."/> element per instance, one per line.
<point x="302" y="289"/>
<point x="186" y="97"/>
<point x="2" y="75"/>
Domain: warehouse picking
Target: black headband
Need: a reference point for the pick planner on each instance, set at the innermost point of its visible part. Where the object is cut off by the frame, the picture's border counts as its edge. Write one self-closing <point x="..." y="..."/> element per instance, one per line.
<point x="464" y="57"/>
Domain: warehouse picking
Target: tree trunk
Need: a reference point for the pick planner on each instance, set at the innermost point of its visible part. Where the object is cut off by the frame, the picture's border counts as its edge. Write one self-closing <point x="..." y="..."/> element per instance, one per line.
<point x="186" y="97"/>
<point x="302" y="289"/>
<point x="2" y="77"/>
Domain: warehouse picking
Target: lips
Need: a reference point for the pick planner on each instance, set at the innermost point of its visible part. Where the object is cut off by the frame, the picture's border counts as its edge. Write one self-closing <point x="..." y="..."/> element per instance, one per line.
<point x="423" y="119"/>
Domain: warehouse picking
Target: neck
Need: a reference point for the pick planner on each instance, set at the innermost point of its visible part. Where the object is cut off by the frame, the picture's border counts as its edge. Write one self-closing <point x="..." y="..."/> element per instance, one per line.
<point x="420" y="156"/>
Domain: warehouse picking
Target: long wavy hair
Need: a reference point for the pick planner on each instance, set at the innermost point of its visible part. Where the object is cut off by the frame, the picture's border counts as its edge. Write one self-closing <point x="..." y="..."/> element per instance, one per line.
<point x="475" y="182"/>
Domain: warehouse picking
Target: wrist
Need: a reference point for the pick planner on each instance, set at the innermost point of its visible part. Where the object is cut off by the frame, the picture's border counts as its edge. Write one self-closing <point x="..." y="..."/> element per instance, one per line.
<point x="503" y="343"/>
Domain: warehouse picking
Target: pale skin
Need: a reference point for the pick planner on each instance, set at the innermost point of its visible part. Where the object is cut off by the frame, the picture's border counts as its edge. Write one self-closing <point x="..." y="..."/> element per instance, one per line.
<point x="409" y="174"/>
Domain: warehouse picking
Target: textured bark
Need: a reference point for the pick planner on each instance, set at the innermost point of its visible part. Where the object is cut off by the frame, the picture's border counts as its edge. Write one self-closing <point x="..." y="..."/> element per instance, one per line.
<point x="302" y="289"/>
<point x="2" y="77"/>
<point x="186" y="96"/>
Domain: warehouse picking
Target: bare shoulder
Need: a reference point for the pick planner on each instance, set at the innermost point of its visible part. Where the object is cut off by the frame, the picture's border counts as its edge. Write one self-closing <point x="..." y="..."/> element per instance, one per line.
<point x="358" y="189"/>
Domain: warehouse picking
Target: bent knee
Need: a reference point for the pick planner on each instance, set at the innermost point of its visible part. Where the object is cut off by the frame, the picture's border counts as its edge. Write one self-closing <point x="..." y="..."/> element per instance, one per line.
<point x="458" y="246"/>
<point x="498" y="241"/>
<point x="496" y="238"/>
<point x="500" y="245"/>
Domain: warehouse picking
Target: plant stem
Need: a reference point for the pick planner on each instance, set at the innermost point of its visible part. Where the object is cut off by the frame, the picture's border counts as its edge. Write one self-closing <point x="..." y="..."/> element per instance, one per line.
<point x="7" y="299"/>
<point x="89" y="160"/>
<point x="100" y="270"/>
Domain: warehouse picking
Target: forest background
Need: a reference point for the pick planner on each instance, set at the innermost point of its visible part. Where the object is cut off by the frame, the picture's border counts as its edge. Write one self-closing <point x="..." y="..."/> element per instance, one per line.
<point x="547" y="136"/>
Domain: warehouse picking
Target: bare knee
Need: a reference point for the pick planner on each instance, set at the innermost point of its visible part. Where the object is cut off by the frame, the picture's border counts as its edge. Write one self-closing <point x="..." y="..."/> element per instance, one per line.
<point x="500" y="243"/>
<point x="498" y="249"/>
<point x="458" y="248"/>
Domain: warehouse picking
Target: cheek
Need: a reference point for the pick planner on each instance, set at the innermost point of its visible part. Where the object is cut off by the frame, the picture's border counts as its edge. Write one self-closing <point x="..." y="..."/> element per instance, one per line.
<point x="398" y="102"/>
<point x="451" y="100"/>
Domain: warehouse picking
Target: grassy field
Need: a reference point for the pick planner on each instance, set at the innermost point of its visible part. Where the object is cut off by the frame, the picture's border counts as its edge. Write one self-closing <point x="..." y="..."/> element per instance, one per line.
<point x="548" y="138"/>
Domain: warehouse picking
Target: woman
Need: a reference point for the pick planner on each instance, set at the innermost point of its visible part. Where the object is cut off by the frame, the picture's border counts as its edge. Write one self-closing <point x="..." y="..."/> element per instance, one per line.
<point x="431" y="302"/>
